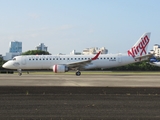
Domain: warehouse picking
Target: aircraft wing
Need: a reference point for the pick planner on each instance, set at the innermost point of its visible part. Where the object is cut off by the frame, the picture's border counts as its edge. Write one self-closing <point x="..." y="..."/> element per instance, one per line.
<point x="155" y="63"/>
<point x="144" y="56"/>
<point x="84" y="62"/>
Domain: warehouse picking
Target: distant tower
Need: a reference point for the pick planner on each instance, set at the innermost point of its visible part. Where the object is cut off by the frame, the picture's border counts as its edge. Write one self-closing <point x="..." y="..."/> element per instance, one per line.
<point x="42" y="47"/>
<point x="15" y="47"/>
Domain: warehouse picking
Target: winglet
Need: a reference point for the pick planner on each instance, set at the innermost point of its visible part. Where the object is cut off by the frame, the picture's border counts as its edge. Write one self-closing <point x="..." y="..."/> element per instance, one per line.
<point x="95" y="57"/>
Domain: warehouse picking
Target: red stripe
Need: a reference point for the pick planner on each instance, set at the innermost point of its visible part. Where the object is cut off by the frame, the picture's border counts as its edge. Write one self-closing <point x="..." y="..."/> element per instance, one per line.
<point x="55" y="68"/>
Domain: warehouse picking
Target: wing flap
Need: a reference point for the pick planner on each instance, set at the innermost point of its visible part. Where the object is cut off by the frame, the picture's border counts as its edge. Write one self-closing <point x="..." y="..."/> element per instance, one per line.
<point x="144" y="56"/>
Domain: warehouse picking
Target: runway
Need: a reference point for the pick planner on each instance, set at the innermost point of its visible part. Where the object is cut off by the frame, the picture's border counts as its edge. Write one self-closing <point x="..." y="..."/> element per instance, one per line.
<point x="86" y="97"/>
<point x="110" y="80"/>
<point x="79" y="103"/>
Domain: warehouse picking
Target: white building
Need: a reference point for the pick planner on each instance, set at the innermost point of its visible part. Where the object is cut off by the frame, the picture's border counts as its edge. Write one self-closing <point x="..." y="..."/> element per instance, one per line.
<point x="89" y="51"/>
<point x="75" y="53"/>
<point x="42" y="47"/>
<point x="156" y="50"/>
<point x="95" y="50"/>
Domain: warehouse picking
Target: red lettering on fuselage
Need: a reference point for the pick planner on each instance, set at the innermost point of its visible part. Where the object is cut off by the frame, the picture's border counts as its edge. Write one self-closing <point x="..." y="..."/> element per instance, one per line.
<point x="140" y="48"/>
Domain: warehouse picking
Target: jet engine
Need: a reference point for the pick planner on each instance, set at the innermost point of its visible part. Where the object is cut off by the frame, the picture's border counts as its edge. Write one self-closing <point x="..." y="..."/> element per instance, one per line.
<point x="60" y="68"/>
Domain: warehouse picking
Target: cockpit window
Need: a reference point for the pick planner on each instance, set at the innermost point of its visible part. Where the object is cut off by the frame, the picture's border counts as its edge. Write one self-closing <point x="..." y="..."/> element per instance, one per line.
<point x="14" y="59"/>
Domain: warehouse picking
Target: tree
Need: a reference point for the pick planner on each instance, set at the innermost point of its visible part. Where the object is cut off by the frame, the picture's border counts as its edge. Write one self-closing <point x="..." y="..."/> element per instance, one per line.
<point x="36" y="52"/>
<point x="1" y="62"/>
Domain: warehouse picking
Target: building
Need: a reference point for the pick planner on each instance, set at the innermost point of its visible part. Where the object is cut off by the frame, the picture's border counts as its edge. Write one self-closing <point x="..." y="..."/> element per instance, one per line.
<point x="94" y="50"/>
<point x="9" y="56"/>
<point x="156" y="50"/>
<point x="89" y="51"/>
<point x="41" y="47"/>
<point x="15" y="47"/>
<point x="75" y="53"/>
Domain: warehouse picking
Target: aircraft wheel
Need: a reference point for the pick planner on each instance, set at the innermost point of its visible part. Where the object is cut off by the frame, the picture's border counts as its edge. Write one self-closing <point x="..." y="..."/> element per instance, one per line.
<point x="20" y="74"/>
<point x="78" y="73"/>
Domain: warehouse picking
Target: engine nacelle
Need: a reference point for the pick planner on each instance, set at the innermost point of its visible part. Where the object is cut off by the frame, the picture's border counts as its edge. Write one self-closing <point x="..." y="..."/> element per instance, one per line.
<point x="60" y="68"/>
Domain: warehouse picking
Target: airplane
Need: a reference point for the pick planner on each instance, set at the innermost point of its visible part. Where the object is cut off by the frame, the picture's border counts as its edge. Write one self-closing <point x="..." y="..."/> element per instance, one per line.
<point x="154" y="61"/>
<point x="64" y="63"/>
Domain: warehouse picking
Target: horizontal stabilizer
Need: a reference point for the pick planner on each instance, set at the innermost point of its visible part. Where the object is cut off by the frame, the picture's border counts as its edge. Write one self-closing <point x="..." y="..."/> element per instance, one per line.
<point x="144" y="56"/>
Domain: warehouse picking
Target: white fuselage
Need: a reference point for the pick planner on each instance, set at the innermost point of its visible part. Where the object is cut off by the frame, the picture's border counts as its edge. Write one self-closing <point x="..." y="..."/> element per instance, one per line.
<point x="48" y="61"/>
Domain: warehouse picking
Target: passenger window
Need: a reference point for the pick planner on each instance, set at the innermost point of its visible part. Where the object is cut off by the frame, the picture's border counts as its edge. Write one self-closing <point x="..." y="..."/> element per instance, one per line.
<point x="63" y="58"/>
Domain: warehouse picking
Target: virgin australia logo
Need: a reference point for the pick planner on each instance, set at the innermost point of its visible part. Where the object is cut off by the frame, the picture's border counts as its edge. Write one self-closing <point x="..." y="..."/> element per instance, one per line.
<point x="140" y="48"/>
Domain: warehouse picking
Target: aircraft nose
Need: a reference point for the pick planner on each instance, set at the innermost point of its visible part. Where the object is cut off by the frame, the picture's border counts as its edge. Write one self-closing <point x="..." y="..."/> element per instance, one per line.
<point x="8" y="65"/>
<point x="11" y="65"/>
<point x="5" y="65"/>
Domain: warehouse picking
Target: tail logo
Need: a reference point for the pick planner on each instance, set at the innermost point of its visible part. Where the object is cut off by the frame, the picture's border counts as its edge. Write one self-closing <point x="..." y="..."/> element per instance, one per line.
<point x="140" y="48"/>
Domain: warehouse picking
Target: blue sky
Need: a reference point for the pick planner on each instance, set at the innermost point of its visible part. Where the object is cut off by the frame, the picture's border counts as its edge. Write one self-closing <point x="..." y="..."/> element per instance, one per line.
<point x="64" y="25"/>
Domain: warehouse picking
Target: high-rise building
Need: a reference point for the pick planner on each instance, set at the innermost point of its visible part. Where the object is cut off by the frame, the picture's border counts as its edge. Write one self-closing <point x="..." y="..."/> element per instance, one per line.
<point x="42" y="47"/>
<point x="15" y="47"/>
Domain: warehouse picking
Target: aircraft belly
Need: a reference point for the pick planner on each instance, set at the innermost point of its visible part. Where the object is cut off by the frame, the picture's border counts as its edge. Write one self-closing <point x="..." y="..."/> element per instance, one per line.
<point x="106" y="64"/>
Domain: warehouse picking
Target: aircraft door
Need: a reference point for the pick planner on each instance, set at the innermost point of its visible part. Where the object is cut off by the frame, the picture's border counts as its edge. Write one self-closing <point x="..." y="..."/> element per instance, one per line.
<point x="23" y="61"/>
<point x="119" y="57"/>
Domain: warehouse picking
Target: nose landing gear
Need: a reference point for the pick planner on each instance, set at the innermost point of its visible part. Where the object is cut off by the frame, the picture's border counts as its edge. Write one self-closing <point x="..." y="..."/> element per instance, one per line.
<point x="19" y="72"/>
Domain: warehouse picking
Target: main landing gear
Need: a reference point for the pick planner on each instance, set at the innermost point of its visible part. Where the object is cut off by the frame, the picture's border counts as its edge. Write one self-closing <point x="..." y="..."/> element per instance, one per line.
<point x="78" y="73"/>
<point x="19" y="72"/>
